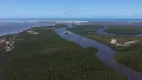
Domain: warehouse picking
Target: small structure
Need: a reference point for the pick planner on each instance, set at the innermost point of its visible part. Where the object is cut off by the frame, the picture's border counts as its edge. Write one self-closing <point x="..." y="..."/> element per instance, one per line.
<point x="32" y="32"/>
<point x="67" y="32"/>
<point x="113" y="41"/>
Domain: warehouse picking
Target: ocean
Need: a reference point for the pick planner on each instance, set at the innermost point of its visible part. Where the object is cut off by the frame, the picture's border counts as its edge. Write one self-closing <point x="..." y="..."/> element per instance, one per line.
<point x="7" y="27"/>
<point x="79" y="19"/>
<point x="15" y="27"/>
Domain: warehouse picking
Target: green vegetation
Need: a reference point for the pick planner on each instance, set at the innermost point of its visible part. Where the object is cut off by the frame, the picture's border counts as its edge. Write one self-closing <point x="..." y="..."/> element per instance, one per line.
<point x="130" y="56"/>
<point x="59" y="25"/>
<point x="49" y="57"/>
<point x="85" y="29"/>
<point x="124" y="30"/>
<point x="106" y="39"/>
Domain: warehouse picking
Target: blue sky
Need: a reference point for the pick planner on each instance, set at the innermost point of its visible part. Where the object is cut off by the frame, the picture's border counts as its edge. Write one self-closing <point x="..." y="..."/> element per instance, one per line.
<point x="71" y="9"/>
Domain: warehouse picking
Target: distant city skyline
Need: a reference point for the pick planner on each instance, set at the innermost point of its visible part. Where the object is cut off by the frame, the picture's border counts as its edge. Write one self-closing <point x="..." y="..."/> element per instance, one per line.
<point x="71" y="9"/>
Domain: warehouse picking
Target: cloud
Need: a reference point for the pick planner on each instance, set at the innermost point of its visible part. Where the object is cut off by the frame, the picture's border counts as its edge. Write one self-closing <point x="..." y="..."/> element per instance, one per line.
<point x="126" y="14"/>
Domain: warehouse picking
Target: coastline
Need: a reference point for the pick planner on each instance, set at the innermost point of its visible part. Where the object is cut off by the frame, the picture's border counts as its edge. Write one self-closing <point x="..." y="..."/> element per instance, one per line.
<point x="75" y="20"/>
<point x="15" y="26"/>
<point x="8" y="28"/>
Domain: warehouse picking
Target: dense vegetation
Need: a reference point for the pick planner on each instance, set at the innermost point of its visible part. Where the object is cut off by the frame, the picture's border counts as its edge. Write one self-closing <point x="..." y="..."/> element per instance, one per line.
<point x="124" y="30"/>
<point x="49" y="57"/>
<point x="130" y="56"/>
<point x="83" y="29"/>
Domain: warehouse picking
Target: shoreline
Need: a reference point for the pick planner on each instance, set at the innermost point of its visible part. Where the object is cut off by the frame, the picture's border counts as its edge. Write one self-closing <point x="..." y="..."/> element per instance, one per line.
<point x="72" y="21"/>
<point x="36" y="23"/>
<point x="7" y="28"/>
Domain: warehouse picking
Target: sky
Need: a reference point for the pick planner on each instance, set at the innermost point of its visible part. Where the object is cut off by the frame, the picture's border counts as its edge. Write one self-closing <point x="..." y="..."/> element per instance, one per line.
<point x="70" y="8"/>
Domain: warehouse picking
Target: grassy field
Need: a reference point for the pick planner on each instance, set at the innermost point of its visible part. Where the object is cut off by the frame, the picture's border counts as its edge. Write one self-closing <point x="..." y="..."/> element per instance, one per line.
<point x="49" y="57"/>
<point x="124" y="30"/>
<point x="130" y="56"/>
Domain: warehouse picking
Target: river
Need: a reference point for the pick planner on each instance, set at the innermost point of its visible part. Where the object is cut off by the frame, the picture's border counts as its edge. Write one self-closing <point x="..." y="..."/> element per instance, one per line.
<point x="105" y="53"/>
<point x="101" y="31"/>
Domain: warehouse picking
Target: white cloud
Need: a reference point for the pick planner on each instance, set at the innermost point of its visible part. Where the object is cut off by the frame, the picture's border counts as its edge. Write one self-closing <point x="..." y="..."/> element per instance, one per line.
<point x="126" y="14"/>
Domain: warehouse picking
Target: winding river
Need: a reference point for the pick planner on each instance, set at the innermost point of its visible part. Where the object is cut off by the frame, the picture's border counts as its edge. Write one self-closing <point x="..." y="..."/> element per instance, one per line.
<point x="105" y="53"/>
<point x="101" y="31"/>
